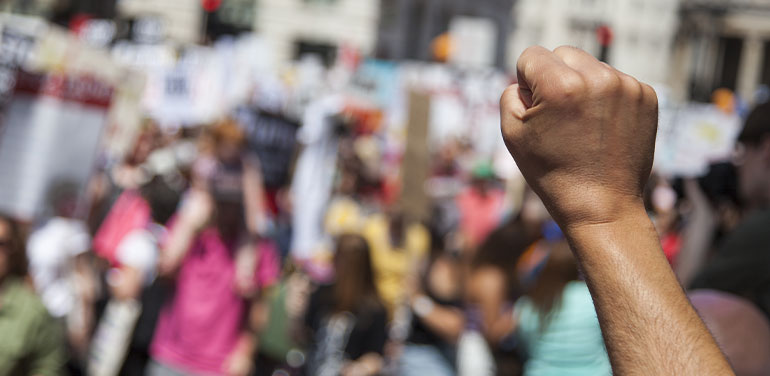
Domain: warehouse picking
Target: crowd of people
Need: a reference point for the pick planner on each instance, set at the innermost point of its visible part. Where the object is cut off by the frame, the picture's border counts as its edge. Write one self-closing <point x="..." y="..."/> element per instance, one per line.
<point x="184" y="265"/>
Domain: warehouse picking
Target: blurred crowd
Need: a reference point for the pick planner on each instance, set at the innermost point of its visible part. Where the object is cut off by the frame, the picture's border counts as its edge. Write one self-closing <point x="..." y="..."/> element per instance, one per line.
<point x="193" y="261"/>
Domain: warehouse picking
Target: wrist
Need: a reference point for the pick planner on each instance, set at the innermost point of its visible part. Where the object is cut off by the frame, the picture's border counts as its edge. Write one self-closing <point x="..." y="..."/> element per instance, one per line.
<point x="630" y="235"/>
<point x="604" y="213"/>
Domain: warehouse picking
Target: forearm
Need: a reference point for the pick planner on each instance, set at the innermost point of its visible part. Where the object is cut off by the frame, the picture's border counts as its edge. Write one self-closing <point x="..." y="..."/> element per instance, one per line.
<point x="195" y="213"/>
<point x="254" y="197"/>
<point x="447" y="323"/>
<point x="695" y="245"/>
<point x="368" y="364"/>
<point x="643" y="312"/>
<point x="179" y="242"/>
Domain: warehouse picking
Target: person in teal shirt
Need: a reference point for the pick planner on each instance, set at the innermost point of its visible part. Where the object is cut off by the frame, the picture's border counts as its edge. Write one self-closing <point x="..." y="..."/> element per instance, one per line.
<point x="556" y="321"/>
<point x="31" y="342"/>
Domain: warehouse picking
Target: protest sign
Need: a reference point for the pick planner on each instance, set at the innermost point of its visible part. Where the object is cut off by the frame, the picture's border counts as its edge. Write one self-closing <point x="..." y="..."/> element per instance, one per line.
<point x="272" y="138"/>
<point x="692" y="137"/>
<point x="50" y="135"/>
<point x="414" y="200"/>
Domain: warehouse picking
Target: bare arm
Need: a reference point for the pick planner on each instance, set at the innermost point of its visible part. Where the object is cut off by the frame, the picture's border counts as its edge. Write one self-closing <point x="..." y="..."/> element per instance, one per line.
<point x="179" y="241"/>
<point x="648" y="324"/>
<point x="195" y="213"/>
<point x="697" y="236"/>
<point x="368" y="364"/>
<point x="254" y="196"/>
<point x="487" y="291"/>
<point x="583" y="135"/>
<point x="447" y="323"/>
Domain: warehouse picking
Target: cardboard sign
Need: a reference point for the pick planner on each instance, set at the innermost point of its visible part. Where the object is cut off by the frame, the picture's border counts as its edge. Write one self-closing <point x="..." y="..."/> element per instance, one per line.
<point x="414" y="173"/>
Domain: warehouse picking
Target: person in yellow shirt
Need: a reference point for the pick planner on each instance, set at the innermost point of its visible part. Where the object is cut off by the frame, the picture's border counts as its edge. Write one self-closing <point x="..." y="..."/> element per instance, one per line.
<point x="397" y="249"/>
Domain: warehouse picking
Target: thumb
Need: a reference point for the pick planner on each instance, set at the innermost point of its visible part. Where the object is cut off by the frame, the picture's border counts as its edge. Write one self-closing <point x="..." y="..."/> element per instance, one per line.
<point x="525" y="93"/>
<point x="514" y="102"/>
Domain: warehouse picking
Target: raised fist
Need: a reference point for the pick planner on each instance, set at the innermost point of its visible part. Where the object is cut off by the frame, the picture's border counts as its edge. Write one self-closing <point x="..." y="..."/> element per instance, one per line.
<point x="581" y="132"/>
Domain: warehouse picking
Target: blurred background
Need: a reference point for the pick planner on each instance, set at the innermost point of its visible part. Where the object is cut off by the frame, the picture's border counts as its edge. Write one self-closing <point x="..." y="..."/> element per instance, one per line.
<point x="319" y="187"/>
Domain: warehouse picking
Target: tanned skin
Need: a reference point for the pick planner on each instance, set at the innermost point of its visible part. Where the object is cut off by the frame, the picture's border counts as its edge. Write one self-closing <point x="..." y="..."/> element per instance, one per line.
<point x="583" y="135"/>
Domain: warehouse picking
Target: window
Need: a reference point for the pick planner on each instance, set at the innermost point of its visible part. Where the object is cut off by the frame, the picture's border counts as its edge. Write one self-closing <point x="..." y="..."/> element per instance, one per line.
<point x="766" y="64"/>
<point x="320" y="2"/>
<point x="326" y="52"/>
<point x="239" y="13"/>
<point x="232" y="18"/>
<point x="728" y="63"/>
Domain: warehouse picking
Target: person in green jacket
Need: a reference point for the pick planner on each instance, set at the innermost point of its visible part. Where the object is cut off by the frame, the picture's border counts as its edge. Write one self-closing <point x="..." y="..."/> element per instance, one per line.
<point x="31" y="342"/>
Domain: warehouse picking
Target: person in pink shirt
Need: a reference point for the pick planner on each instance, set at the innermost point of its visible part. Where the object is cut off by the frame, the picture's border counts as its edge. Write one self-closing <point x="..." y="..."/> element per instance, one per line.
<point x="204" y="327"/>
<point x="480" y="206"/>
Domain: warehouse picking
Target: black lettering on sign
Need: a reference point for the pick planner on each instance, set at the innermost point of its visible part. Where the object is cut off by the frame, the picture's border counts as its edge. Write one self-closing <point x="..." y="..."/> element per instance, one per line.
<point x="176" y="85"/>
<point x="15" y="47"/>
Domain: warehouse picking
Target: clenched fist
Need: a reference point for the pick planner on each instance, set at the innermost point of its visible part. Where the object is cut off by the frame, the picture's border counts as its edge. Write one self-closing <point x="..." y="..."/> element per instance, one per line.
<point x="582" y="133"/>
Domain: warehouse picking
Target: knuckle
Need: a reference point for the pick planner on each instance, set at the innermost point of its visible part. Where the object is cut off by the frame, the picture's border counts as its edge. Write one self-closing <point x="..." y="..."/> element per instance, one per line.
<point x="565" y="50"/>
<point x="648" y="95"/>
<point x="528" y="66"/>
<point x="631" y="87"/>
<point x="648" y="91"/>
<point x="606" y="81"/>
<point x="527" y="58"/>
<point x="571" y="85"/>
<point x="529" y="51"/>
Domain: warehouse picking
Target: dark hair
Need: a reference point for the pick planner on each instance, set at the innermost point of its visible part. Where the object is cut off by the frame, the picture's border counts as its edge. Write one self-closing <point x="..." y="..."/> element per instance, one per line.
<point x="60" y="192"/>
<point x="17" y="256"/>
<point x="559" y="269"/>
<point x="502" y="249"/>
<point x="504" y="245"/>
<point x="757" y="125"/>
<point x="162" y="197"/>
<point x="354" y="287"/>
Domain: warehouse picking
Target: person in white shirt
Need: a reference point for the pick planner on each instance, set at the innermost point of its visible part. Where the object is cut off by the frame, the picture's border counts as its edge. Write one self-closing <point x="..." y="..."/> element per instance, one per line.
<point x="60" y="267"/>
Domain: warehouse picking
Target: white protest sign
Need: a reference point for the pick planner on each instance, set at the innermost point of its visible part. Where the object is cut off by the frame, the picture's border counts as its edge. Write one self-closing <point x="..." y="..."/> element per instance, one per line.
<point x="473" y="41"/>
<point x="50" y="135"/>
<point x="691" y="138"/>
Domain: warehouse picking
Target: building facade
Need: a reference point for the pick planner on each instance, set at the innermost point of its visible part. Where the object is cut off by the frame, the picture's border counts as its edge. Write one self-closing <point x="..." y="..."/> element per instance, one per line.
<point x="293" y="27"/>
<point x="182" y="19"/>
<point x="408" y="27"/>
<point x="642" y="31"/>
<point x="722" y="44"/>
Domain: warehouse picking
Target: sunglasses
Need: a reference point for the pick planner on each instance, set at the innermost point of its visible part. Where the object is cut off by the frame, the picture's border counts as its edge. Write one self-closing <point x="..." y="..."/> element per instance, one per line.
<point x="5" y="243"/>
